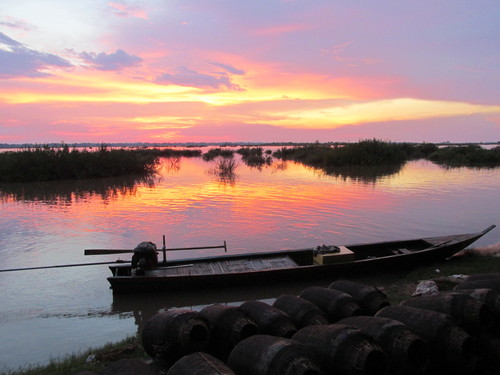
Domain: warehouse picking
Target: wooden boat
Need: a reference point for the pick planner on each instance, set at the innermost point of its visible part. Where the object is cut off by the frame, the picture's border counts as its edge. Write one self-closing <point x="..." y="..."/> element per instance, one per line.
<point x="285" y="265"/>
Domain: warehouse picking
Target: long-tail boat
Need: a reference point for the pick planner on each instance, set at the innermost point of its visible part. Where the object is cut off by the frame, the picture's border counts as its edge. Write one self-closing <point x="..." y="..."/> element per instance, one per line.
<point x="146" y="274"/>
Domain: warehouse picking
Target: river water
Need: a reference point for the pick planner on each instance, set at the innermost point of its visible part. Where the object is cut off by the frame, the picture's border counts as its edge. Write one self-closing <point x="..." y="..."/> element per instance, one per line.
<point x="50" y="313"/>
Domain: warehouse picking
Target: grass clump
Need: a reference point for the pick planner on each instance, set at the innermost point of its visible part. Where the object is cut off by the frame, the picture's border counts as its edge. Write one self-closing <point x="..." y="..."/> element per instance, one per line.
<point x="254" y="156"/>
<point x="373" y="152"/>
<point x="401" y="285"/>
<point x="171" y="153"/>
<point x="44" y="163"/>
<point x="469" y="155"/>
<point x="364" y="153"/>
<point x="93" y="360"/>
<point x="216" y="152"/>
<point x="224" y="170"/>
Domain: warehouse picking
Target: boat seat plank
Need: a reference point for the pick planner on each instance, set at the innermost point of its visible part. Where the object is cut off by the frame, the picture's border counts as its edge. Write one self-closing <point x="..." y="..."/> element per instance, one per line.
<point x="227" y="266"/>
<point x="401" y="251"/>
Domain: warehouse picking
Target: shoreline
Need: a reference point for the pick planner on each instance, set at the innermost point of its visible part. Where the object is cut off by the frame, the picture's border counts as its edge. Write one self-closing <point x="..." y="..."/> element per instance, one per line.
<point x="397" y="286"/>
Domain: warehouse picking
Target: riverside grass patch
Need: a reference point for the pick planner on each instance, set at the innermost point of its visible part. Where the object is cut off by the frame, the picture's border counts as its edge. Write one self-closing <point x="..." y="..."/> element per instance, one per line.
<point x="45" y="163"/>
<point x="373" y="152"/>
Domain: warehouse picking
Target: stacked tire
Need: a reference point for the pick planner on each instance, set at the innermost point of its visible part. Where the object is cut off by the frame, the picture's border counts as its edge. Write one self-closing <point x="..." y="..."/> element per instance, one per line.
<point x="348" y="328"/>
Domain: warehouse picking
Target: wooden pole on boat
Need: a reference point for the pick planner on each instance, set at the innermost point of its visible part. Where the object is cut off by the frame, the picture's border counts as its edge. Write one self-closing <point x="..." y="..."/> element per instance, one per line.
<point x="62" y="266"/>
<point x="119" y="251"/>
<point x="83" y="264"/>
<point x="196" y="248"/>
<point x="106" y="251"/>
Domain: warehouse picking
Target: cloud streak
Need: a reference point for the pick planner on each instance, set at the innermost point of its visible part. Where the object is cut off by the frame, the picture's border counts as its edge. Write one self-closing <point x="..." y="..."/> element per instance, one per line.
<point x="16" y="24"/>
<point x="115" y="61"/>
<point x="16" y="60"/>
<point x="184" y="76"/>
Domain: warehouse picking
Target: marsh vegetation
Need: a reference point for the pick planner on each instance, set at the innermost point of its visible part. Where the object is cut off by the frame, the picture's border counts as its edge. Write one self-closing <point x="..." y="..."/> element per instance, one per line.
<point x="363" y="153"/>
<point x="376" y="153"/>
<point x="469" y="156"/>
<point x="217" y="152"/>
<point x="45" y="163"/>
<point x="224" y="170"/>
<point x="255" y="156"/>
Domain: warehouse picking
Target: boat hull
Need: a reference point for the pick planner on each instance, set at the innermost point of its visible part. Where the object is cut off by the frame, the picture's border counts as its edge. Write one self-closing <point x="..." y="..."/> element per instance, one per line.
<point x="368" y="259"/>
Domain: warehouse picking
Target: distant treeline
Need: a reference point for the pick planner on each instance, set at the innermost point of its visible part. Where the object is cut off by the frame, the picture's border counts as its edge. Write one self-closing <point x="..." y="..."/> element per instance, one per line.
<point x="205" y="144"/>
<point x="45" y="163"/>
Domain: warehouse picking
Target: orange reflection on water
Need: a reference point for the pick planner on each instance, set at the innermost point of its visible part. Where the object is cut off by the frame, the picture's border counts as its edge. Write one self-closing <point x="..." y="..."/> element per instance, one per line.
<point x="276" y="206"/>
<point x="191" y="205"/>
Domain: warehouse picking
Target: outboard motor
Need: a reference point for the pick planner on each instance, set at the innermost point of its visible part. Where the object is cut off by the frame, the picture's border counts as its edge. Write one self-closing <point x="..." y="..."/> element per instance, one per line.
<point x="144" y="258"/>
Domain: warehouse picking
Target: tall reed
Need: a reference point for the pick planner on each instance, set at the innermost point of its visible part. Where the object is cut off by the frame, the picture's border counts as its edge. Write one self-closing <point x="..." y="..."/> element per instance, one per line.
<point x="224" y="170"/>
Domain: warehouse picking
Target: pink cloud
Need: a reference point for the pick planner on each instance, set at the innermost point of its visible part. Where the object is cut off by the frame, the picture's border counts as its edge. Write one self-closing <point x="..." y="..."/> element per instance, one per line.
<point x="124" y="10"/>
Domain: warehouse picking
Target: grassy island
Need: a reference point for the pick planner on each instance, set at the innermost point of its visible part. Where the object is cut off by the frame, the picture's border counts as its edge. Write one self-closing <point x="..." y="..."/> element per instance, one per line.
<point x="371" y="153"/>
<point x="466" y="156"/>
<point x="366" y="153"/>
<point x="45" y="163"/>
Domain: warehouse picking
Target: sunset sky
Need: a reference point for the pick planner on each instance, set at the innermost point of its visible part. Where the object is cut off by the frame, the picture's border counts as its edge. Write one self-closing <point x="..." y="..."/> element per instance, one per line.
<point x="261" y="70"/>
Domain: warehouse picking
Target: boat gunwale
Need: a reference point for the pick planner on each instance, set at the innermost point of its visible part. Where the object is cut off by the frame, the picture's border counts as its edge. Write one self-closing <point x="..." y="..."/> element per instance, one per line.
<point x="131" y="284"/>
<point x="259" y="255"/>
<point x="270" y="253"/>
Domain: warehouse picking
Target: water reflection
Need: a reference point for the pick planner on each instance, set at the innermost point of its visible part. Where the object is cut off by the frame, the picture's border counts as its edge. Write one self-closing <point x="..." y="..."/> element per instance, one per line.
<point x="279" y="167"/>
<point x="225" y="170"/>
<point x="365" y="174"/>
<point x="64" y="193"/>
<point x="143" y="306"/>
<point x="171" y="166"/>
<point x="48" y="313"/>
<point x="258" y="162"/>
<point x="225" y="167"/>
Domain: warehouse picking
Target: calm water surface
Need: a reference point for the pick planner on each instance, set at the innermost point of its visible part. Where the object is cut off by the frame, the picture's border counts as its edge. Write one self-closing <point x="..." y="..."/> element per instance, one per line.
<point x="50" y="313"/>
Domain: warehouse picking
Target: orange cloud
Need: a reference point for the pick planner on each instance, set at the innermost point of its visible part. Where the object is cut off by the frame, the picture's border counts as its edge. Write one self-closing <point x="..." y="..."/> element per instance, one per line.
<point x="376" y="111"/>
<point x="91" y="87"/>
